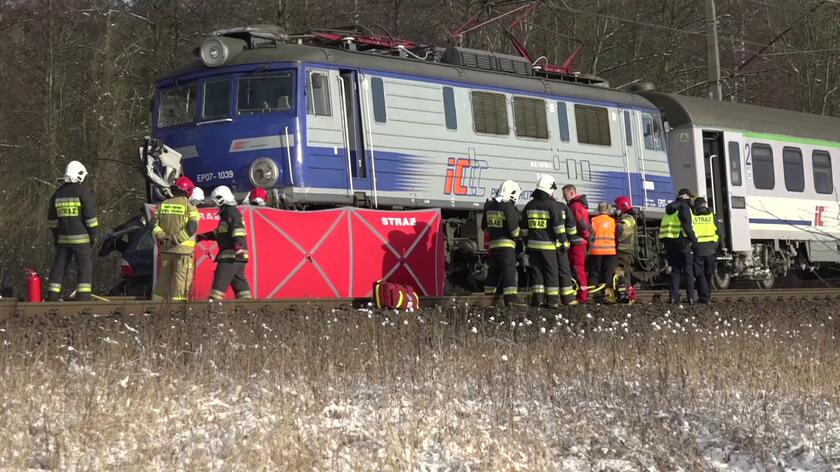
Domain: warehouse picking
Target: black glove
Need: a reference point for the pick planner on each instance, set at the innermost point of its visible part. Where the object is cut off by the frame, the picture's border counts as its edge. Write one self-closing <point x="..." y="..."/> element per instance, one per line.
<point x="561" y="248"/>
<point x="200" y="237"/>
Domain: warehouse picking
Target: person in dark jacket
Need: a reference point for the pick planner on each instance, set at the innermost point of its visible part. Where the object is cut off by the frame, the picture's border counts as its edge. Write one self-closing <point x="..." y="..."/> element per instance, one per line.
<point x="233" y="247"/>
<point x="567" y="289"/>
<point x="73" y="222"/>
<point x="541" y="228"/>
<point x="677" y="234"/>
<point x="705" y="250"/>
<point x="501" y="221"/>
<point x="580" y="241"/>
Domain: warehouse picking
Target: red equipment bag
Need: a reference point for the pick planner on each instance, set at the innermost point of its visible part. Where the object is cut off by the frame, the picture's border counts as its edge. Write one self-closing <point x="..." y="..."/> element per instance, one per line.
<point x="391" y="295"/>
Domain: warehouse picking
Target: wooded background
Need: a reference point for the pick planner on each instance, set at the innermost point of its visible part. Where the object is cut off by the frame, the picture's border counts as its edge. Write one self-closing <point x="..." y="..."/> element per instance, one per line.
<point x="77" y="76"/>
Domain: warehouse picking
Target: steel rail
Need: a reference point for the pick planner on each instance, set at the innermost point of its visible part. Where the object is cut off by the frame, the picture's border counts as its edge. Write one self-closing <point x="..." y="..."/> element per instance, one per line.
<point x="126" y="305"/>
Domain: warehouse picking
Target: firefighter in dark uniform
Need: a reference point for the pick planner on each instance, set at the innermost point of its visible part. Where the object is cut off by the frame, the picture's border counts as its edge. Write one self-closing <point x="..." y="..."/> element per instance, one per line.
<point x="501" y="220"/>
<point x="541" y="227"/>
<point x="705" y="251"/>
<point x="567" y="289"/>
<point x="233" y="247"/>
<point x="677" y="235"/>
<point x="176" y="223"/>
<point x="72" y="220"/>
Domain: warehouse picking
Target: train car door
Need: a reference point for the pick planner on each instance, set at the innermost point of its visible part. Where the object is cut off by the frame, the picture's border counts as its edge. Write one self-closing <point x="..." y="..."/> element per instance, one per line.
<point x="352" y="123"/>
<point x="737" y="151"/>
<point x="725" y="198"/>
<point x="632" y="157"/>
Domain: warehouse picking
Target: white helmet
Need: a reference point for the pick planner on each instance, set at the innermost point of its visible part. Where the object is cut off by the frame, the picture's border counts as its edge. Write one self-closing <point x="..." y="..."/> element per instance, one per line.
<point x="197" y="196"/>
<point x="75" y="172"/>
<point x="547" y="184"/>
<point x="223" y="196"/>
<point x="509" y="190"/>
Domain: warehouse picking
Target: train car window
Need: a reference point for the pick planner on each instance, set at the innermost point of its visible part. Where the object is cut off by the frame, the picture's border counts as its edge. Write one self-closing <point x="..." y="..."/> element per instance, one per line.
<point x="266" y="94"/>
<point x="735" y="164"/>
<point x="563" y="117"/>
<point x="823" y="181"/>
<point x="216" y="99"/>
<point x="658" y="135"/>
<point x="794" y="170"/>
<point x="318" y="95"/>
<point x="451" y="115"/>
<point x="378" y="90"/>
<point x="177" y="106"/>
<point x="489" y="112"/>
<point x="593" y="125"/>
<point x="764" y="176"/>
<point x="529" y="118"/>
<point x="628" y="129"/>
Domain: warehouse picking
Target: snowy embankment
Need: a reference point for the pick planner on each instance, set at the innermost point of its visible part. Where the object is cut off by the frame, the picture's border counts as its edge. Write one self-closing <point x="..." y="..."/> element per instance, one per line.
<point x="740" y="387"/>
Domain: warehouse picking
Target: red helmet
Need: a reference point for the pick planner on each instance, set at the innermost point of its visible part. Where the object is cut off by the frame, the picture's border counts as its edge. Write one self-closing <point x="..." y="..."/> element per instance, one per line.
<point x="184" y="183"/>
<point x="259" y="192"/>
<point x="623" y="203"/>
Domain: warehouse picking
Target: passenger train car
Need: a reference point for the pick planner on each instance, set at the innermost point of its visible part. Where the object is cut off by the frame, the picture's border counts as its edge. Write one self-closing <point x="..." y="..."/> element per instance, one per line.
<point x="768" y="174"/>
<point x="325" y="126"/>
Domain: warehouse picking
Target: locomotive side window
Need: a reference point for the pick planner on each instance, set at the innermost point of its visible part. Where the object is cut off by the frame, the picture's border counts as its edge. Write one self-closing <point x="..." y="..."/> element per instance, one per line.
<point x="653" y="133"/>
<point x="489" y="112"/>
<point x="735" y="163"/>
<point x="378" y="89"/>
<point x="764" y="176"/>
<point x="216" y="99"/>
<point x="318" y="95"/>
<point x="450" y="113"/>
<point x="794" y="171"/>
<point x="593" y="125"/>
<point x="628" y="129"/>
<point x="177" y="106"/>
<point x="823" y="181"/>
<point x="563" y="117"/>
<point x="266" y="94"/>
<point x="529" y="118"/>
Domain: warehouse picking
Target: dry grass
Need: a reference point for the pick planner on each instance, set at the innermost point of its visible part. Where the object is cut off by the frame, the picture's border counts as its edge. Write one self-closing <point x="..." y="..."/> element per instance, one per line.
<point x="604" y="388"/>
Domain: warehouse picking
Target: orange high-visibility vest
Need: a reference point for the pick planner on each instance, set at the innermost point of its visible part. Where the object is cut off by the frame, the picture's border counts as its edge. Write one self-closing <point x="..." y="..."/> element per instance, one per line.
<point x="604" y="228"/>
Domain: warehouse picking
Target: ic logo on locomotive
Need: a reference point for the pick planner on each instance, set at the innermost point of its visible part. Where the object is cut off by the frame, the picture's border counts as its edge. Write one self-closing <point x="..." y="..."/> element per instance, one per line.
<point x="463" y="177"/>
<point x="818" y="216"/>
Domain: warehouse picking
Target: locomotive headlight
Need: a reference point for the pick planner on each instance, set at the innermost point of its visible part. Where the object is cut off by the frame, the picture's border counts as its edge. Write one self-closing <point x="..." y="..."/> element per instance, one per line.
<point x="217" y="50"/>
<point x="264" y="173"/>
<point x="214" y="52"/>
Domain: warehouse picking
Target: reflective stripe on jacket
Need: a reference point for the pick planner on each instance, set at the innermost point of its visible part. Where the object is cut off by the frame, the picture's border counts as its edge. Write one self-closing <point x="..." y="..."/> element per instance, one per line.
<point x="604" y="228"/>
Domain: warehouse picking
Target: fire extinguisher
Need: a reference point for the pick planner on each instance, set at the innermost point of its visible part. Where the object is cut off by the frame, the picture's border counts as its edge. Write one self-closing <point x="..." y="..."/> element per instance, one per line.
<point x="33" y="284"/>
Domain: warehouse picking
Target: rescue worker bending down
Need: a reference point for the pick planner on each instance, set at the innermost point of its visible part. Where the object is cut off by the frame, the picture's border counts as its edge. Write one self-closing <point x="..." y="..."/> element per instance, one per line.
<point x="501" y="220"/>
<point x="567" y="289"/>
<point x="580" y="241"/>
<point x="677" y="235"/>
<point x="541" y="228"/>
<point x="72" y="220"/>
<point x="233" y="247"/>
<point x="176" y="225"/>
<point x="603" y="251"/>
<point x="705" y="250"/>
<point x="627" y="242"/>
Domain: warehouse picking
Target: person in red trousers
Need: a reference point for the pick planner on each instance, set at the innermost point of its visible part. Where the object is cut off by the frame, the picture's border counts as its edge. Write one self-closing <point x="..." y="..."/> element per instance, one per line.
<point x="580" y="242"/>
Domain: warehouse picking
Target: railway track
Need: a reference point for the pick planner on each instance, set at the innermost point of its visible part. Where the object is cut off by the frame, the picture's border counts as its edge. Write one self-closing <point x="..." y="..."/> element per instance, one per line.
<point x="126" y="306"/>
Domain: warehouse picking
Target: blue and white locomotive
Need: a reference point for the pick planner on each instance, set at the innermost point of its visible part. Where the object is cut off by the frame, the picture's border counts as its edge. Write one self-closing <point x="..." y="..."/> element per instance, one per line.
<point x="323" y="125"/>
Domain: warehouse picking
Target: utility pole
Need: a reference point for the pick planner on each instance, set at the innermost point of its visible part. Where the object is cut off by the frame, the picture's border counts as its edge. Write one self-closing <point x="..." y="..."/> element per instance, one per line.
<point x="712" y="52"/>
